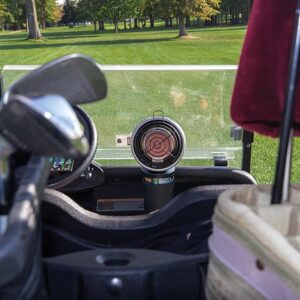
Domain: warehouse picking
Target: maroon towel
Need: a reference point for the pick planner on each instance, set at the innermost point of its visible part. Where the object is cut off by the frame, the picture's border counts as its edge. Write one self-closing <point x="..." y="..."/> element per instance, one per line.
<point x="260" y="87"/>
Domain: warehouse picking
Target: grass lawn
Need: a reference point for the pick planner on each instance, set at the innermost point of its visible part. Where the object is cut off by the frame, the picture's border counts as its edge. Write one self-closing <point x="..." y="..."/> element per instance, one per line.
<point x="204" y="120"/>
<point x="210" y="46"/>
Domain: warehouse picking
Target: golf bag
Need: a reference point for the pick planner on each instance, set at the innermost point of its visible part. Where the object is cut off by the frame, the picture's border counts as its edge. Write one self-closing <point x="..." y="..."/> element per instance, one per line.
<point x="254" y="248"/>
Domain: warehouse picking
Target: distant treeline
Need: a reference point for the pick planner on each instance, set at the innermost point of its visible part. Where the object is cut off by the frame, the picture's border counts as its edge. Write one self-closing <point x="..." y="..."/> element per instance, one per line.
<point x="131" y="13"/>
<point x="145" y="13"/>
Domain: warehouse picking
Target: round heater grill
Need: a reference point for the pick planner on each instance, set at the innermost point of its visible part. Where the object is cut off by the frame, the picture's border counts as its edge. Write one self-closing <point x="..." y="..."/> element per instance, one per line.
<point x="158" y="143"/>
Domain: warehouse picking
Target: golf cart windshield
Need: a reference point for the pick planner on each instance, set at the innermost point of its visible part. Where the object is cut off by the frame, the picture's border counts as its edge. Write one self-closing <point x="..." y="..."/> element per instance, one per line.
<point x="196" y="97"/>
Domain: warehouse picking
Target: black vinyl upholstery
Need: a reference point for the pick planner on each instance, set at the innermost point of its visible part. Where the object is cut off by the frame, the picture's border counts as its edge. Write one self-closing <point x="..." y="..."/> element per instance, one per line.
<point x="188" y="213"/>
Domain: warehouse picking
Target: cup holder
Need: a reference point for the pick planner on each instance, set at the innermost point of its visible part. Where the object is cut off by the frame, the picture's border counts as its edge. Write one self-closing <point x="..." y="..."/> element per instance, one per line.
<point x="120" y="273"/>
<point x="115" y="259"/>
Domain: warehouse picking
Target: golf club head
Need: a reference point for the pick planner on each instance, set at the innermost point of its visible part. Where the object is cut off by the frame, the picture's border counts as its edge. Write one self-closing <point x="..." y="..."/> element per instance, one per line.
<point x="76" y="77"/>
<point x="45" y="126"/>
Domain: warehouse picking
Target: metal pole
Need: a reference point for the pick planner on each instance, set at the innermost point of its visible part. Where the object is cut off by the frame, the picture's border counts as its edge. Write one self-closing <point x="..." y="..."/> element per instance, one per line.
<point x="281" y="182"/>
<point x="1" y="86"/>
<point x="287" y="177"/>
<point x="248" y="138"/>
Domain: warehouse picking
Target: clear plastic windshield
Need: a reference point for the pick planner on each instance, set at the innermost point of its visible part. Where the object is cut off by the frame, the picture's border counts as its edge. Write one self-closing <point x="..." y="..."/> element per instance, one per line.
<point x="198" y="100"/>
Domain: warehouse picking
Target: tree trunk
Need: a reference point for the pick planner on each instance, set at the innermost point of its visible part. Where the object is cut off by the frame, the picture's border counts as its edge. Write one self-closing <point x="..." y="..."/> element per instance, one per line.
<point x="33" y="26"/>
<point x="101" y="25"/>
<point x="95" y="25"/>
<point x="181" y="26"/>
<point x="136" y="25"/>
<point x="234" y="20"/>
<point x="171" y="22"/>
<point x="151" y="21"/>
<point x="17" y="26"/>
<point x="43" y="14"/>
<point x="44" y="24"/>
<point x="167" y="22"/>
<point x="231" y="17"/>
<point x="213" y="20"/>
<point x="17" y="21"/>
<point x="116" y="27"/>
<point x="187" y="21"/>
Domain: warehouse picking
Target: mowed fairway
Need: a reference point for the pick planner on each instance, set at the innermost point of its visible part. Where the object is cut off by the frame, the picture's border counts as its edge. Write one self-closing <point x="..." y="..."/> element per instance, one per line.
<point x="209" y="46"/>
<point x="193" y="99"/>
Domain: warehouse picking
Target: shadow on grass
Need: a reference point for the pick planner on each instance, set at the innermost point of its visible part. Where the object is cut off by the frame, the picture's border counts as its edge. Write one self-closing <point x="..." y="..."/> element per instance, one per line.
<point x="66" y="33"/>
<point x="221" y="28"/>
<point x="13" y="37"/>
<point x="70" y="33"/>
<point x="77" y="32"/>
<point x="21" y="45"/>
<point x="60" y="35"/>
<point x="69" y="37"/>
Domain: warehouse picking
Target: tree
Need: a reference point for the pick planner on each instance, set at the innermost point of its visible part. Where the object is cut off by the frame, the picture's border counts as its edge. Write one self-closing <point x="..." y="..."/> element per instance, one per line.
<point x="92" y="10"/>
<point x="203" y="9"/>
<point x="236" y="11"/>
<point x="70" y="11"/>
<point x="32" y="21"/>
<point x="57" y="14"/>
<point x="5" y="16"/>
<point x="116" y="10"/>
<point x="48" y="11"/>
<point x="166" y="11"/>
<point x="151" y="10"/>
<point x="137" y="8"/>
<point x="16" y="9"/>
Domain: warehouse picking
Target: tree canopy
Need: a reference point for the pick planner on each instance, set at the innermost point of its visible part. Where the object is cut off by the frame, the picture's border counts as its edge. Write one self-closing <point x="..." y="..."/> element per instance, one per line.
<point x="203" y="9"/>
<point x="48" y="11"/>
<point x="13" y="13"/>
<point x="5" y="15"/>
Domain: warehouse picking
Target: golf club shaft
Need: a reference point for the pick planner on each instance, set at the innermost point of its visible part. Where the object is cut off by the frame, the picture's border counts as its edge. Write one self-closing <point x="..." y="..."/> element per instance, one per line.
<point x="5" y="151"/>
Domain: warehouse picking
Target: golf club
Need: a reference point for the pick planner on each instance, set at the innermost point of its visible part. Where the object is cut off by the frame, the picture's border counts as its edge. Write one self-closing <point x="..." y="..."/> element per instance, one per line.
<point x="76" y="77"/>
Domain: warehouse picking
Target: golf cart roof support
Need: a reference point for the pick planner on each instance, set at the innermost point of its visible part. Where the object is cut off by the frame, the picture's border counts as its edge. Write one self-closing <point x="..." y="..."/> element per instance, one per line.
<point x="280" y="192"/>
<point x="1" y="86"/>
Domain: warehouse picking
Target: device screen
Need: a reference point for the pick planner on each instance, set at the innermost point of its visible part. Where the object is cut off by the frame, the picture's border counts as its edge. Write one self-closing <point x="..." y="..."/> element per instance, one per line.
<point x="58" y="164"/>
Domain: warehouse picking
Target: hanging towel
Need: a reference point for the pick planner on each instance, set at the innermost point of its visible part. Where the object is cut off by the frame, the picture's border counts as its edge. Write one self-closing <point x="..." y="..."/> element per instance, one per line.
<point x="260" y="87"/>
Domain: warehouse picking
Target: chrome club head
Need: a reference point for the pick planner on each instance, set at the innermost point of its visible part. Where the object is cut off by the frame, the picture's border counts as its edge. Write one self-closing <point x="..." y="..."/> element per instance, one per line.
<point x="76" y="77"/>
<point x="45" y="126"/>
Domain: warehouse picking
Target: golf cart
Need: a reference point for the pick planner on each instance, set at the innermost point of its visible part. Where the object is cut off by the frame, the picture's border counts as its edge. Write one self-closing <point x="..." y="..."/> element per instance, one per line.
<point x="114" y="232"/>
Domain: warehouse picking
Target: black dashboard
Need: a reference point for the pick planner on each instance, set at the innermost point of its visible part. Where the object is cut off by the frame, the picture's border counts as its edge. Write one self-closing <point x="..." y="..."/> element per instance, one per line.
<point x="157" y="144"/>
